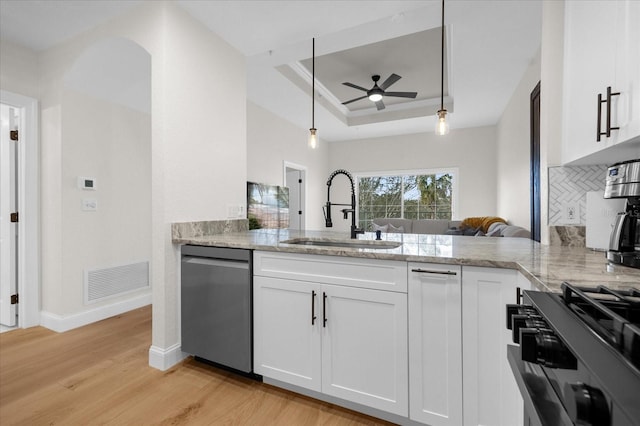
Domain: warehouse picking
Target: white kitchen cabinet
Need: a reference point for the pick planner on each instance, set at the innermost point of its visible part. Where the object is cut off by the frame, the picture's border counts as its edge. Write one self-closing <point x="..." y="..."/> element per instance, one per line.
<point x="490" y="393"/>
<point x="286" y="339"/>
<point x="435" y="344"/>
<point x="355" y="348"/>
<point x="601" y="50"/>
<point x="364" y="347"/>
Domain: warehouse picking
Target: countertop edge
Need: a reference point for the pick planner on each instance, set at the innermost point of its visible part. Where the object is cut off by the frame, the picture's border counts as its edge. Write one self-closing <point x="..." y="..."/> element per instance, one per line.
<point x="333" y="251"/>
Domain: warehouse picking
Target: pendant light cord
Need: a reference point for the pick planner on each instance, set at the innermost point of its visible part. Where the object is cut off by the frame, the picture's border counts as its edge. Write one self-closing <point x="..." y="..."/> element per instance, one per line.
<point x="313" y="84"/>
<point x="442" y="63"/>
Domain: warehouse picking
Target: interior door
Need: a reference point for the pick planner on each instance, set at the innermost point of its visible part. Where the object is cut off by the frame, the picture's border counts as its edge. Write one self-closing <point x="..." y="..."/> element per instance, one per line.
<point x="8" y="205"/>
<point x="535" y="163"/>
<point x="294" y="180"/>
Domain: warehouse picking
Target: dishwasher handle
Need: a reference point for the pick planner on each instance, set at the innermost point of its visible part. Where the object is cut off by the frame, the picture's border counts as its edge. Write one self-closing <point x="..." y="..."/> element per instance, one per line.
<point x="223" y="263"/>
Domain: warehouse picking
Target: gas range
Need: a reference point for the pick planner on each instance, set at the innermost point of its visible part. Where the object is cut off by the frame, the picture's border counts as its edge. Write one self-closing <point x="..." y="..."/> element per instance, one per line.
<point x="578" y="359"/>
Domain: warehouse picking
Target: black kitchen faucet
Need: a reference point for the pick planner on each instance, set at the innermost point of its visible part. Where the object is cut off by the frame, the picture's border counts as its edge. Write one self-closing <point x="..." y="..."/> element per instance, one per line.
<point x="327" y="207"/>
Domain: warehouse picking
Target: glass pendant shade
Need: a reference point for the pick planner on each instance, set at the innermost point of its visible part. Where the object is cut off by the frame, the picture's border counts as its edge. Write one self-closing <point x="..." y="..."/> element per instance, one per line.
<point x="313" y="138"/>
<point x="442" y="126"/>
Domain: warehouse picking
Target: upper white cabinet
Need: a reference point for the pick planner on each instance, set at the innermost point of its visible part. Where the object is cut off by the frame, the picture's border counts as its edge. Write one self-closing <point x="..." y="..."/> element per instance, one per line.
<point x="435" y="344"/>
<point x="601" y="51"/>
<point x="348" y="340"/>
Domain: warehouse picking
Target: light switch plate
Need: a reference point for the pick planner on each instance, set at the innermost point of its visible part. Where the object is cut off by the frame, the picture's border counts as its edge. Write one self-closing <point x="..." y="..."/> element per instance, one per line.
<point x="235" y="211"/>
<point x="89" y="204"/>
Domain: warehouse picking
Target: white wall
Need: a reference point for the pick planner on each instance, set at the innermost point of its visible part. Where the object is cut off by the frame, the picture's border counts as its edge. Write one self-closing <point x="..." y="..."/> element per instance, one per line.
<point x="90" y="137"/>
<point x="112" y="144"/>
<point x="200" y="159"/>
<point x="472" y="151"/>
<point x="271" y="140"/>
<point x="18" y="69"/>
<point x="551" y="66"/>
<point x="514" y="152"/>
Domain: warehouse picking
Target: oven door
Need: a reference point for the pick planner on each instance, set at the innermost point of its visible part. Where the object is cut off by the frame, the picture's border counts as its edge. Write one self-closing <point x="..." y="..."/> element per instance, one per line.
<point x="541" y="404"/>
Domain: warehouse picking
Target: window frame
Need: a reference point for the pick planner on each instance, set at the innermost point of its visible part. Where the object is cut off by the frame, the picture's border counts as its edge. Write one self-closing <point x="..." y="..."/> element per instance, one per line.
<point x="453" y="171"/>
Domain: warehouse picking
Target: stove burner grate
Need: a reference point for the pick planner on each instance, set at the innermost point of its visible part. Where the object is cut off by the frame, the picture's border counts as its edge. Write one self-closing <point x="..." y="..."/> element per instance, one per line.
<point x="614" y="315"/>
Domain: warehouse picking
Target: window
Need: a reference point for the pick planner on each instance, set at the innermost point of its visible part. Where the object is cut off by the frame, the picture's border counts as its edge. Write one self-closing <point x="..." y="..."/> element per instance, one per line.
<point x="423" y="194"/>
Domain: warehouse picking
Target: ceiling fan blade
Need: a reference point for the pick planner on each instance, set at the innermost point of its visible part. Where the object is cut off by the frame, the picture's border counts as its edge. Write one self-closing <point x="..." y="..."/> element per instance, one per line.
<point x="402" y="94"/>
<point x="389" y="81"/>
<point x="353" y="100"/>
<point x="355" y="86"/>
<point x="380" y="105"/>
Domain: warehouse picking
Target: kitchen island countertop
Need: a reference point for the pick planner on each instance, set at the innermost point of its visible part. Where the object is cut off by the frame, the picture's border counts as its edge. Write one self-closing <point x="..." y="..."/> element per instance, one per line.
<point x="545" y="266"/>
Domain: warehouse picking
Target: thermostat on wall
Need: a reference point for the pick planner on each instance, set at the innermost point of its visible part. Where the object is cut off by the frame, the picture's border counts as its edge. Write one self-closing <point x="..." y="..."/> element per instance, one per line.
<point x="86" y="183"/>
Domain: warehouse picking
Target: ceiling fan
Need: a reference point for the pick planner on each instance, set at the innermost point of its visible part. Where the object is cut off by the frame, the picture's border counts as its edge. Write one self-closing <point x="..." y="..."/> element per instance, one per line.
<point x="376" y="93"/>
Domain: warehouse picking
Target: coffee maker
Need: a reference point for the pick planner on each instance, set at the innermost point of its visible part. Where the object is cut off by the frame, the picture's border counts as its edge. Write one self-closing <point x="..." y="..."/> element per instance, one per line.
<point x="623" y="181"/>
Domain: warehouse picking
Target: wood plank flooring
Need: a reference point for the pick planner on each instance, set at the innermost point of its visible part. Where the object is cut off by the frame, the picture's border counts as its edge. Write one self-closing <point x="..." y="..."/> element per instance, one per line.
<point x="99" y="374"/>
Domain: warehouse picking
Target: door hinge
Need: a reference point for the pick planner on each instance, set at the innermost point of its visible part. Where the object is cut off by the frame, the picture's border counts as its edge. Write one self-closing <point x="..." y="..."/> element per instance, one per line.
<point x="14" y="299"/>
<point x="299" y="180"/>
<point x="299" y="211"/>
<point x="14" y="217"/>
<point x="13" y="135"/>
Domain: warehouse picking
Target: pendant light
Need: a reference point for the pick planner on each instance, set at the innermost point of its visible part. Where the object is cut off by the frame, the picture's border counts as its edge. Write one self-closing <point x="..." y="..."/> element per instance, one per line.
<point x="442" y="127"/>
<point x="313" y="132"/>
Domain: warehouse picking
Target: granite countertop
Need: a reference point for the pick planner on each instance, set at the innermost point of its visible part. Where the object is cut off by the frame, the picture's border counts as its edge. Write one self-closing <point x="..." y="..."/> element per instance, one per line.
<point x="545" y="266"/>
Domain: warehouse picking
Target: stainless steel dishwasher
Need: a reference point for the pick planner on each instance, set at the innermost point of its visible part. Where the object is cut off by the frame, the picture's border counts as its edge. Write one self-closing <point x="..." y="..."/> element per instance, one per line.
<point x="217" y="305"/>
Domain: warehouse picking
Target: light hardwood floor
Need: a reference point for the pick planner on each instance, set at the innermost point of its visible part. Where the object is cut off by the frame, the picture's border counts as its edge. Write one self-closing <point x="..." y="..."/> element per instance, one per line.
<point x="99" y="374"/>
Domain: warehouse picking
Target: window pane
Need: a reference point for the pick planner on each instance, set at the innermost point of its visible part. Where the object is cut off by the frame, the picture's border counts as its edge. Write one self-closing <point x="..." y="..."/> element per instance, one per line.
<point x="408" y="196"/>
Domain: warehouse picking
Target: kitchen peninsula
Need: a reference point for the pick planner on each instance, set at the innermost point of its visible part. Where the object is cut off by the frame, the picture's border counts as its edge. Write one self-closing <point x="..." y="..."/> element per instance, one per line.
<point x="411" y="328"/>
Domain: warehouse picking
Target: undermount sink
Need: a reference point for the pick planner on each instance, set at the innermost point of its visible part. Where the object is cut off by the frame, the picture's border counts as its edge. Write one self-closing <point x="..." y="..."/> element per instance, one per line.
<point x="365" y="244"/>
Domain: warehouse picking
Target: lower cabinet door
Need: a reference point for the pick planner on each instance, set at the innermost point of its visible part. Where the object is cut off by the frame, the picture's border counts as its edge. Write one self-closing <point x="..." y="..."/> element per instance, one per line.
<point x="435" y="344"/>
<point x="364" y="347"/>
<point x="491" y="395"/>
<point x="287" y="340"/>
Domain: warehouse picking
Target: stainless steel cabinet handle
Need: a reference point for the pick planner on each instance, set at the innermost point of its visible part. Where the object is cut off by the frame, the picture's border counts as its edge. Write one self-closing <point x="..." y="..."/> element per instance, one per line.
<point x="431" y="271"/>
<point x="313" y="307"/>
<point x="324" y="309"/>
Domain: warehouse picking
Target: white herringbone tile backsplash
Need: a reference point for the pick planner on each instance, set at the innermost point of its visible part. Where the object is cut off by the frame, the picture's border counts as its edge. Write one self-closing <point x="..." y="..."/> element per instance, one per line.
<point x="569" y="185"/>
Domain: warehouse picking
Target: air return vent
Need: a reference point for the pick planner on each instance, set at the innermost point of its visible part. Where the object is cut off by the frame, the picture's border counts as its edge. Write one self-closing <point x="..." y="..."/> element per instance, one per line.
<point x="103" y="283"/>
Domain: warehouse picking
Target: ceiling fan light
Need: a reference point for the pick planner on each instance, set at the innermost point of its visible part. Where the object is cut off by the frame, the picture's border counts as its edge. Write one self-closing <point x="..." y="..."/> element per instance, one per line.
<point x="442" y="125"/>
<point x="313" y="138"/>
<point x="375" y="97"/>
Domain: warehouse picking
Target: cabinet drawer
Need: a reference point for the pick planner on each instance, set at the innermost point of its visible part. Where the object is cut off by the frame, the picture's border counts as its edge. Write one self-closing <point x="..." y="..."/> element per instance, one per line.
<point x="364" y="273"/>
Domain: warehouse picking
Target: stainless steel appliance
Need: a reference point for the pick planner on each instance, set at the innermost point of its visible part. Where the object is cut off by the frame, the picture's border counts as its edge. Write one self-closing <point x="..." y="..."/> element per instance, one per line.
<point x="578" y="359"/>
<point x="623" y="181"/>
<point x="217" y="305"/>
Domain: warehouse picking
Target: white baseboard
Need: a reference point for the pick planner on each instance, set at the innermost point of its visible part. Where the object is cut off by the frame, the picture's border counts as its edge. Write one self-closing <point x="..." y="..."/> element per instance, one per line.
<point x="62" y="323"/>
<point x="164" y="359"/>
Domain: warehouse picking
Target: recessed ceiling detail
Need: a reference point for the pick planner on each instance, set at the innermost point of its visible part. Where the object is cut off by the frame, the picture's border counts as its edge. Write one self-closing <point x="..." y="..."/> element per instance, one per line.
<point x="490" y="44"/>
<point x="415" y="57"/>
